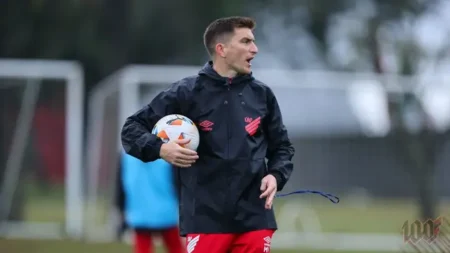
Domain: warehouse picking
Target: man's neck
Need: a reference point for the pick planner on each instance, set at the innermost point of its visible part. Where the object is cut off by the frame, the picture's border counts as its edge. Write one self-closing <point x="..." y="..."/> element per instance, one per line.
<point x="223" y="70"/>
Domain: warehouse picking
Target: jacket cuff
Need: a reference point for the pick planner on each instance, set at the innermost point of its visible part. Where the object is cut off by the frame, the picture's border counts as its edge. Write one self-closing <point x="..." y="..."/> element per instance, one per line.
<point x="156" y="149"/>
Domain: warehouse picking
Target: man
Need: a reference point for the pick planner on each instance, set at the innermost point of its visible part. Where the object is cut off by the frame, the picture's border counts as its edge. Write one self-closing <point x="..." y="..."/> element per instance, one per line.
<point x="148" y="202"/>
<point x="227" y="189"/>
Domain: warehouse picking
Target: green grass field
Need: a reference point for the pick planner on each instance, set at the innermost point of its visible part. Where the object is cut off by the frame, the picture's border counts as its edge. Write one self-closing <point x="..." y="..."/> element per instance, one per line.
<point x="294" y="214"/>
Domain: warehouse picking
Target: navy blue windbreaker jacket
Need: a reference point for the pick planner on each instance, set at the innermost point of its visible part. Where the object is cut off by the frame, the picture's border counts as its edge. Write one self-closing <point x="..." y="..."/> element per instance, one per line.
<point x="240" y="126"/>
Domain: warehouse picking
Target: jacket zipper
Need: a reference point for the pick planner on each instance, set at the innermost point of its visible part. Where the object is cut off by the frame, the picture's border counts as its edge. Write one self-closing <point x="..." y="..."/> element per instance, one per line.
<point x="229" y="178"/>
<point x="228" y="117"/>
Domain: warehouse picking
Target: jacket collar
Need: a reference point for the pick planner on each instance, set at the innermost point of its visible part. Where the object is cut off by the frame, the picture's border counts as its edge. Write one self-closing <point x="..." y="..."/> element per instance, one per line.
<point x="209" y="72"/>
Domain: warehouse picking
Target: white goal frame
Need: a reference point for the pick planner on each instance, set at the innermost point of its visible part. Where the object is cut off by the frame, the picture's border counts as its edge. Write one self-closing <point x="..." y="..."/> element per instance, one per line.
<point x="72" y="72"/>
<point x="127" y="82"/>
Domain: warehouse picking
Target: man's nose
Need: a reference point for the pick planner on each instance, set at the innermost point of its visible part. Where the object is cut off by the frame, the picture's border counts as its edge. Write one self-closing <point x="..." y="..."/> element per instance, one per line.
<point x="254" y="49"/>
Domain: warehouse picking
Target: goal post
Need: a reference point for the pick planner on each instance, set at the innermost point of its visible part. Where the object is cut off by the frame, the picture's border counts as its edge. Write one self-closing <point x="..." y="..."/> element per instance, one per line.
<point x="127" y="90"/>
<point x="38" y="78"/>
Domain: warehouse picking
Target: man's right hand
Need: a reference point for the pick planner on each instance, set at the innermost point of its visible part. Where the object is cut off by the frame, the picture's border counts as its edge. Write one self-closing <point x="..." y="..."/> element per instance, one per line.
<point x="175" y="154"/>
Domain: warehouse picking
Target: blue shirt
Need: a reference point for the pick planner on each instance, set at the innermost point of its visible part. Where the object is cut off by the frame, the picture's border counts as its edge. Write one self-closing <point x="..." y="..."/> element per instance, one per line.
<point x="150" y="197"/>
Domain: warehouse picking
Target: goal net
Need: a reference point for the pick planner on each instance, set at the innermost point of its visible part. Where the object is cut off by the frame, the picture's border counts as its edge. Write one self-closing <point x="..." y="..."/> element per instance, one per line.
<point x="341" y="125"/>
<point x="41" y="148"/>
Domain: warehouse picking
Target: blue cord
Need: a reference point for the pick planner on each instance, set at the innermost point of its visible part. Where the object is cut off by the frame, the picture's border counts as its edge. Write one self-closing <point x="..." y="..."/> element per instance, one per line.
<point x="330" y="197"/>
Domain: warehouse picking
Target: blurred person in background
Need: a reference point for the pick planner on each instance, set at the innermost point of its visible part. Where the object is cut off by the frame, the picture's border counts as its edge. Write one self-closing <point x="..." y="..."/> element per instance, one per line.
<point x="148" y="202"/>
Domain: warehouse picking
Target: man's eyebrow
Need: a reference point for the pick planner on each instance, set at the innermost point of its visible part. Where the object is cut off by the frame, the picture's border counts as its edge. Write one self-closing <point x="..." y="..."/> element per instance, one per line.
<point x="248" y="38"/>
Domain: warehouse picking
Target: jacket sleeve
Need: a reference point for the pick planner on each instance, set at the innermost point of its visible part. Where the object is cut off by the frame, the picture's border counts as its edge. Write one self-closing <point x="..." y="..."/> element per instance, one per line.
<point x="280" y="148"/>
<point x="137" y="139"/>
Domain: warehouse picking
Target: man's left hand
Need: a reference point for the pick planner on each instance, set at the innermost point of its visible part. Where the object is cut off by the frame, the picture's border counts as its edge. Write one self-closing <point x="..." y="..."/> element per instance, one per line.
<point x="269" y="189"/>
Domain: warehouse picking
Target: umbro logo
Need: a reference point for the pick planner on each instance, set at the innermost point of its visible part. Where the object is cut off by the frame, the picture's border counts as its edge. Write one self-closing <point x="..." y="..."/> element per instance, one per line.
<point x="206" y="125"/>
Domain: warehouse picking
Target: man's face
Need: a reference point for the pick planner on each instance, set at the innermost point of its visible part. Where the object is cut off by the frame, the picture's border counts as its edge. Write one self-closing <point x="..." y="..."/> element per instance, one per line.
<point x="239" y="50"/>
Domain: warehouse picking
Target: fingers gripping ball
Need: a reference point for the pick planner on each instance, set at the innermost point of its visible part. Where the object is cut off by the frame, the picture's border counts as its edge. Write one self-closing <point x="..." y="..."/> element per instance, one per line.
<point x="176" y="127"/>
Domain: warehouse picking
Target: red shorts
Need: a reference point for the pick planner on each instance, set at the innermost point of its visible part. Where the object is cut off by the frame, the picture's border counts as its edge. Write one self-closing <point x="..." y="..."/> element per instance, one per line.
<point x="143" y="240"/>
<point x="250" y="242"/>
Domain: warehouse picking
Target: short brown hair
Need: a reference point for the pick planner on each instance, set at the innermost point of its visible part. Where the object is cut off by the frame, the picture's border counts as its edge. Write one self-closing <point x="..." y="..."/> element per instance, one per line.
<point x="224" y="26"/>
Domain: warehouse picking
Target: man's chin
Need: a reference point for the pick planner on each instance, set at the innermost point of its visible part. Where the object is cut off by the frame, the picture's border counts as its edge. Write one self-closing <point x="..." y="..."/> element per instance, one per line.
<point x="245" y="71"/>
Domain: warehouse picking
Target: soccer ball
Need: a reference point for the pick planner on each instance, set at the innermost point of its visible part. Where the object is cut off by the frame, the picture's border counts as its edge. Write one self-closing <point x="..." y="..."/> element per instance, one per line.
<point x="177" y="127"/>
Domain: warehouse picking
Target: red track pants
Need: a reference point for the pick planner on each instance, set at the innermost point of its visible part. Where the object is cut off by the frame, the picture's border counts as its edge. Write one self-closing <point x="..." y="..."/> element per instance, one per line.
<point x="250" y="242"/>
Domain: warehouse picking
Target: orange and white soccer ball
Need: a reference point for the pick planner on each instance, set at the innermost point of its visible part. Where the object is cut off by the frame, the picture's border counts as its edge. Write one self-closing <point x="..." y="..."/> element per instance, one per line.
<point x="176" y="127"/>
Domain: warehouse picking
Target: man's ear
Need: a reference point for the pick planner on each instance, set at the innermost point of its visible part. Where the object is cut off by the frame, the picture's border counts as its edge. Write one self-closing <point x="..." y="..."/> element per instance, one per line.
<point x="220" y="50"/>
